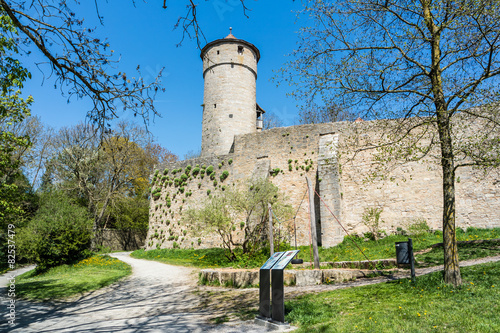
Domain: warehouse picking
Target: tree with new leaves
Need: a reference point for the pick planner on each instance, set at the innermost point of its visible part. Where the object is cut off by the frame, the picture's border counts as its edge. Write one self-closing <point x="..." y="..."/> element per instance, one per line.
<point x="242" y="209"/>
<point x="13" y="110"/>
<point x="432" y="66"/>
<point x="81" y="63"/>
<point x="101" y="170"/>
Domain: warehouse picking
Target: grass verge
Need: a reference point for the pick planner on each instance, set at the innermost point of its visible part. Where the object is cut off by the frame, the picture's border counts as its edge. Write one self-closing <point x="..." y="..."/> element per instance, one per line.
<point x="345" y="251"/>
<point x="385" y="248"/>
<point x="201" y="258"/>
<point x="429" y="305"/>
<point x="465" y="252"/>
<point x="68" y="280"/>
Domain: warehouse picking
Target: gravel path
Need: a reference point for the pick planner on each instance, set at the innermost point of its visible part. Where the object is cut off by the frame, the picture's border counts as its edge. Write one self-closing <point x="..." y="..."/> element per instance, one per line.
<point x="155" y="298"/>
<point x="160" y="298"/>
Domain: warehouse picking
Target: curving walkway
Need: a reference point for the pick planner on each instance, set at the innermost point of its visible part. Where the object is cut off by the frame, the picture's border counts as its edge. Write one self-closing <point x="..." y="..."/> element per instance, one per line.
<point x="159" y="298"/>
<point x="155" y="298"/>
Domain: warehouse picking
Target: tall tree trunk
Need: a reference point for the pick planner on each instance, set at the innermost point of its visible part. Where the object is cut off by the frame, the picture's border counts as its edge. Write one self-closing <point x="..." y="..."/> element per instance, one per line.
<point x="451" y="266"/>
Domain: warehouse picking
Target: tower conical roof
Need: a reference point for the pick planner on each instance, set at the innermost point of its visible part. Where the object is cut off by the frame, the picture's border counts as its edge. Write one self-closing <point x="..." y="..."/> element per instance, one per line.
<point x="230" y="39"/>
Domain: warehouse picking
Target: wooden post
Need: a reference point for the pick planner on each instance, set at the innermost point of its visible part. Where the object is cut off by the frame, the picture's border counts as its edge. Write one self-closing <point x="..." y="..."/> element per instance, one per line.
<point x="412" y="259"/>
<point x="271" y="239"/>
<point x="312" y="216"/>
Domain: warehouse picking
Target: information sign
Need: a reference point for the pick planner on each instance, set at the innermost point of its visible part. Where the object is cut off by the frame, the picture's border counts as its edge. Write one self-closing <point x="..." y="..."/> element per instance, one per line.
<point x="285" y="259"/>
<point x="271" y="261"/>
<point x="271" y="273"/>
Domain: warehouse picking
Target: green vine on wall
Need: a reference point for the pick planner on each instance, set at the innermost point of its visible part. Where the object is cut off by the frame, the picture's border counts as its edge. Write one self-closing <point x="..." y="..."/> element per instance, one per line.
<point x="167" y="178"/>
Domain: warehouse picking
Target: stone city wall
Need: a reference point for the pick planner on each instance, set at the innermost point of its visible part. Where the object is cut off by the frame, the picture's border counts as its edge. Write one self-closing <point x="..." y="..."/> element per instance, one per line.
<point x="409" y="192"/>
<point x="413" y="191"/>
<point x="265" y="154"/>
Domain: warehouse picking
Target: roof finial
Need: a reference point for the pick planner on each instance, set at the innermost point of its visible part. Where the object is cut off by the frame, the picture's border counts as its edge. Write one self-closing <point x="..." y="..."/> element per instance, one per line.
<point x="230" y="36"/>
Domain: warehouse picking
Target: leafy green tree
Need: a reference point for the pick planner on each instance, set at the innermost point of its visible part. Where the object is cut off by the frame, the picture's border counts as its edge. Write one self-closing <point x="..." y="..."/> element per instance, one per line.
<point x="13" y="109"/>
<point x="59" y="233"/>
<point x="102" y="171"/>
<point x="129" y="216"/>
<point x="243" y="210"/>
<point x="430" y="65"/>
<point x="129" y="213"/>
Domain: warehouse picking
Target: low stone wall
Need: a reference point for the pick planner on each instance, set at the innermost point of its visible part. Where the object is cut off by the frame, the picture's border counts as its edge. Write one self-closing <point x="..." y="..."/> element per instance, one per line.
<point x="363" y="264"/>
<point x="292" y="277"/>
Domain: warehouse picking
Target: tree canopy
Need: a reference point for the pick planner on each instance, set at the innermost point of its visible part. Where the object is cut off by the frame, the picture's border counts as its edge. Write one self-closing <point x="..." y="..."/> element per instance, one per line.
<point x="13" y="110"/>
<point x="430" y="65"/>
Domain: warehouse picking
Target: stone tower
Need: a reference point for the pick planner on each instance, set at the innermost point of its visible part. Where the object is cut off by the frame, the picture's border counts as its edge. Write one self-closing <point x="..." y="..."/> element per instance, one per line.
<point x="229" y="102"/>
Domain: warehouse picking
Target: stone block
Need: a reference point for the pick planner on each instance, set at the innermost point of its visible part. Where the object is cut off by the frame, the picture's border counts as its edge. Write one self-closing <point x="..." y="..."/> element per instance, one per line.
<point x="289" y="278"/>
<point x="308" y="277"/>
<point x="337" y="275"/>
<point x="226" y="278"/>
<point x="246" y="278"/>
<point x="210" y="275"/>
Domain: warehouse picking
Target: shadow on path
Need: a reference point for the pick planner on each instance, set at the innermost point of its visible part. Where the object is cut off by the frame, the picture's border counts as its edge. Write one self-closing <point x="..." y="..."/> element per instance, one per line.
<point x="155" y="298"/>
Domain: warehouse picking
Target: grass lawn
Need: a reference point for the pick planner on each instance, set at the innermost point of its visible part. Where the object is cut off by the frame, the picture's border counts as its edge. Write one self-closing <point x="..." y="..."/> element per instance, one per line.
<point x="401" y="306"/>
<point x="345" y="251"/>
<point x="202" y="258"/>
<point x="68" y="280"/>
<point x="385" y="248"/>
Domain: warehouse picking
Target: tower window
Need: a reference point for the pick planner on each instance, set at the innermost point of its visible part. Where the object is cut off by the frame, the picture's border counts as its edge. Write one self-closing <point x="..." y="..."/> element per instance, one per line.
<point x="215" y="106"/>
<point x="230" y="115"/>
<point x="218" y="51"/>
<point x="240" y="49"/>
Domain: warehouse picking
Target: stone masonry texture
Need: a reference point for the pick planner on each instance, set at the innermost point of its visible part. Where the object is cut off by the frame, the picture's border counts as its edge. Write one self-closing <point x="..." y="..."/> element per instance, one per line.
<point x="229" y="103"/>
<point x="411" y="192"/>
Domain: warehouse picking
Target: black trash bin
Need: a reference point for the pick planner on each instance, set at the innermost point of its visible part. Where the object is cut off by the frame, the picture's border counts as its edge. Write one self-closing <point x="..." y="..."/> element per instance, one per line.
<point x="402" y="253"/>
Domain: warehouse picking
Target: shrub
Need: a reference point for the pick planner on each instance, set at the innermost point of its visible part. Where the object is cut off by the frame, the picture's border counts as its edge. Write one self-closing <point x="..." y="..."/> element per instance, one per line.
<point x="59" y="233"/>
<point x="371" y="219"/>
<point x="224" y="175"/>
<point x="418" y="227"/>
<point x="274" y="172"/>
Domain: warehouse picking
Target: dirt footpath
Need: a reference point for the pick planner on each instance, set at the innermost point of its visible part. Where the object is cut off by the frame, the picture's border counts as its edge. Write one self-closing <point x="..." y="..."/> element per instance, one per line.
<point x="155" y="298"/>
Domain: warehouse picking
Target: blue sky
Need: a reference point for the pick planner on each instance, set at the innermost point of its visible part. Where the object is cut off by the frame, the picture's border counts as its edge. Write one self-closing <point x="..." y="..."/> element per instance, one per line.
<point x="143" y="35"/>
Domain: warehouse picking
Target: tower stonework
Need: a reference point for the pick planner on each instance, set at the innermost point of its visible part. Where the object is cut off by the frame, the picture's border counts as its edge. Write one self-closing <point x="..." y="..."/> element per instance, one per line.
<point x="229" y="102"/>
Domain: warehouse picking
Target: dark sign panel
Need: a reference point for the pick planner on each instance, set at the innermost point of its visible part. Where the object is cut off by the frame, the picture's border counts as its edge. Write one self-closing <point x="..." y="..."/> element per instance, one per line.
<point x="285" y="259"/>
